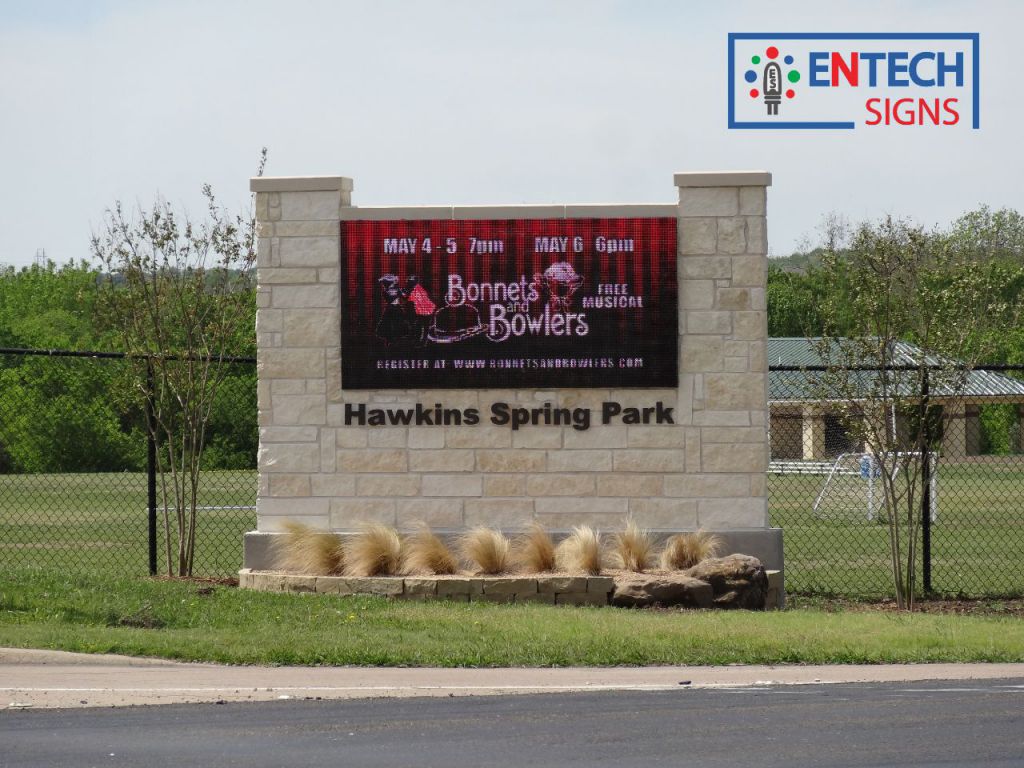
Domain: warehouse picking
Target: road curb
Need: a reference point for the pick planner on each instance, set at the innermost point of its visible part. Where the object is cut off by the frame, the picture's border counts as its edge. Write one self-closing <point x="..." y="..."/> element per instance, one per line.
<point x="55" y="679"/>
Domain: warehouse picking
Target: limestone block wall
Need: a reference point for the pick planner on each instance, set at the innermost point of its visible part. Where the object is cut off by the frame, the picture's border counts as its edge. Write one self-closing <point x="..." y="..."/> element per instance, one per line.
<point x="707" y="470"/>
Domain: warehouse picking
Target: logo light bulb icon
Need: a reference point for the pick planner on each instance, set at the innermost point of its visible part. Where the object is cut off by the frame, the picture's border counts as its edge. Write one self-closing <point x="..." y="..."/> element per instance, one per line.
<point x="772" y="87"/>
<point x="772" y="79"/>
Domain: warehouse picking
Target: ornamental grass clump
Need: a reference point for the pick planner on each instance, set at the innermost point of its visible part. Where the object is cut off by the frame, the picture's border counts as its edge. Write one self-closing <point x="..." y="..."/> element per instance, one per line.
<point x="580" y="551"/>
<point x="633" y="548"/>
<point x="535" y="551"/>
<point x="425" y="552"/>
<point x="486" y="550"/>
<point x="304" y="549"/>
<point x="374" y="551"/>
<point x="685" y="550"/>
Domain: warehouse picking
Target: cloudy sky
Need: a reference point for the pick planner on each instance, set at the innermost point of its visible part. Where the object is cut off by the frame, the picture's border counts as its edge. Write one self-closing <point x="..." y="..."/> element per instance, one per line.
<point x="442" y="101"/>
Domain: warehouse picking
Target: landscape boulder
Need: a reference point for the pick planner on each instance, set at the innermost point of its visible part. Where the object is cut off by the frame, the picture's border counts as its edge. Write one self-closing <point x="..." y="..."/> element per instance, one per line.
<point x="641" y="590"/>
<point x="737" y="581"/>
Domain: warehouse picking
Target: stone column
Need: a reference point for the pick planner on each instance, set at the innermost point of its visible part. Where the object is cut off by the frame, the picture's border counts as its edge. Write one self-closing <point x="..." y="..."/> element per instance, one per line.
<point x="813" y="433"/>
<point x="723" y="269"/>
<point x="298" y="338"/>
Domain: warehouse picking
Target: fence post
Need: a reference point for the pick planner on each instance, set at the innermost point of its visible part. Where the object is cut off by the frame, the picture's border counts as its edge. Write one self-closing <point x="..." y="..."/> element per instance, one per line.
<point x="926" y="490"/>
<point x="151" y="464"/>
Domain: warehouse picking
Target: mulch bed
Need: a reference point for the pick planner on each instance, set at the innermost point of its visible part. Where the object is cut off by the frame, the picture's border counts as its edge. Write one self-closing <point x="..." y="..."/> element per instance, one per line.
<point x="220" y="582"/>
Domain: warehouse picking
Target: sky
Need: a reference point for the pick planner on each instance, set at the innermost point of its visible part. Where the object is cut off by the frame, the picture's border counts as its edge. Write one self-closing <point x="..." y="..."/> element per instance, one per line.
<point x="460" y="102"/>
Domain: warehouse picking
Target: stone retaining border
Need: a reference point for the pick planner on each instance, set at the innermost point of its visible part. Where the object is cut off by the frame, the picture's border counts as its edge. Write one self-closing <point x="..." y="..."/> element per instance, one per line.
<point x="547" y="589"/>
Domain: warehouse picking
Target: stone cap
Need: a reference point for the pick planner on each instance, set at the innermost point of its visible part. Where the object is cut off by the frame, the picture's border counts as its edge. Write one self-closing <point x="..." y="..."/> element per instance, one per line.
<point x="300" y="184"/>
<point x="723" y="179"/>
<point x="344" y="183"/>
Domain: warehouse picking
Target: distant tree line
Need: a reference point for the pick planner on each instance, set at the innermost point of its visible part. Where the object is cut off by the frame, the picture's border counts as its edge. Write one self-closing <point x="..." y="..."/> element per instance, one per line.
<point x="800" y="290"/>
<point x="809" y="298"/>
<point x="66" y="415"/>
<point x="79" y="414"/>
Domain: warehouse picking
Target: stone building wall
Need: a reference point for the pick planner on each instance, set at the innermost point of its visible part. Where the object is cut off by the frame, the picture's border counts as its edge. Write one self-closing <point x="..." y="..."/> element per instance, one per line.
<point x="706" y="470"/>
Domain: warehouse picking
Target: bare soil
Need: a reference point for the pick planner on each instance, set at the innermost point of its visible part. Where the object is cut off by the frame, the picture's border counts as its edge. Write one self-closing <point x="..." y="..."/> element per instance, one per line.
<point x="954" y="606"/>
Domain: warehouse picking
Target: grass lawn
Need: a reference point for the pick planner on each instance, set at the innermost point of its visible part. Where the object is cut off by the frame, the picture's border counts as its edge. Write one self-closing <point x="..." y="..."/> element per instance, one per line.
<point x="100" y="522"/>
<point x="977" y="538"/>
<point x="194" y="621"/>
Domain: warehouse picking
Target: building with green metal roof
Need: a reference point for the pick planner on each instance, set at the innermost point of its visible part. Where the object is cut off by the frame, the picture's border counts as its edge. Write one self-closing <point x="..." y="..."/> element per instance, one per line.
<point x="805" y="426"/>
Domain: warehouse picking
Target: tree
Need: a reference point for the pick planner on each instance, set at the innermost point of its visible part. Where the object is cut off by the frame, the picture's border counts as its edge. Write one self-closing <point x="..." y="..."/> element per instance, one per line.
<point x="59" y="414"/>
<point x="795" y="300"/>
<point x="178" y="294"/>
<point x="799" y="288"/>
<point x="47" y="307"/>
<point x="917" y="314"/>
<point x="989" y="234"/>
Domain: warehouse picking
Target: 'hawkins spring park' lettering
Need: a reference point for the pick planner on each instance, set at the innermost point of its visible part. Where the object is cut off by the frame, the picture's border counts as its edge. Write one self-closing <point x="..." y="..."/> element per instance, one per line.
<point x="503" y="414"/>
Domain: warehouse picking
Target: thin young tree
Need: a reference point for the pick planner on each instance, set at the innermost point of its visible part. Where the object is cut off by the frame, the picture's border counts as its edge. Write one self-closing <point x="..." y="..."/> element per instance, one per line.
<point x="915" y="314"/>
<point x="178" y="293"/>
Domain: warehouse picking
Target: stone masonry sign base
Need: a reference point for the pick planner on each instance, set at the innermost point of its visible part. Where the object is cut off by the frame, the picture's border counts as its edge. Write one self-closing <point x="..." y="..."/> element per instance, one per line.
<point x="322" y="466"/>
<point x="550" y="589"/>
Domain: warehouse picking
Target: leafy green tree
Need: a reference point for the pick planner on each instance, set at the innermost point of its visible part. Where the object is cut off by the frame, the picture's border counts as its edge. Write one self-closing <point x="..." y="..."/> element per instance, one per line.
<point x="795" y="301"/>
<point x="179" y="294"/>
<point x="1000" y="429"/>
<point x="233" y="434"/>
<point x="80" y="415"/>
<point x="57" y="415"/>
<point x="48" y="307"/>
<point x="903" y="283"/>
<point x="988" y="234"/>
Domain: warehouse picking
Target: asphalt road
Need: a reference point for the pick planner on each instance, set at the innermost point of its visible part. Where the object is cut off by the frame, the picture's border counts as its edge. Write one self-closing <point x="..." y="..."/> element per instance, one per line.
<point x="968" y="723"/>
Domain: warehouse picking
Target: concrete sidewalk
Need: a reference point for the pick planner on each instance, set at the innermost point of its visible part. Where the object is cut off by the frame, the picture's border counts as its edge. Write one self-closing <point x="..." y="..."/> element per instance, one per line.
<point x="52" y="679"/>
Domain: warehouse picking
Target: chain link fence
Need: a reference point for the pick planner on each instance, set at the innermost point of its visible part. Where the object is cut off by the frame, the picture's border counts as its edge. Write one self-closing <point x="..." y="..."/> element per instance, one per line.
<point x="74" y="474"/>
<point x="825" y="492"/>
<point x="73" y="481"/>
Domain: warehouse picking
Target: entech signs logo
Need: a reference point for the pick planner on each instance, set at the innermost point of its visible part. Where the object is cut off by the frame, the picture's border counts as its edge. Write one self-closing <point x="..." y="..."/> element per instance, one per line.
<point x="838" y="80"/>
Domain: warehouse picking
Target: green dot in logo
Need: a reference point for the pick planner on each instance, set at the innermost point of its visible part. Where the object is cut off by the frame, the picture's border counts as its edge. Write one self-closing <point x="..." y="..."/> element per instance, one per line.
<point x="794" y="76"/>
<point x="755" y="59"/>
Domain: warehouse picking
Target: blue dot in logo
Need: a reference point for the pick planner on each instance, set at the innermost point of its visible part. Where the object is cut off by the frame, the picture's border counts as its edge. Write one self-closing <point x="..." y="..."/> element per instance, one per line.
<point x="750" y="75"/>
<point x="788" y="59"/>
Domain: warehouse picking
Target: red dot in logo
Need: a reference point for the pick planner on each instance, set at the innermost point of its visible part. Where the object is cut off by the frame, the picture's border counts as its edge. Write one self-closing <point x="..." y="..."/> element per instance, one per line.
<point x="772" y="52"/>
<point x="790" y="94"/>
<point x="754" y="93"/>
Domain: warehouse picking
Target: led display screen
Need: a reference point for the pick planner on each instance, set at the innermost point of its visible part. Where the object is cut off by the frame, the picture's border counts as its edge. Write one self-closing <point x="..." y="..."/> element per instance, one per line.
<point x="509" y="303"/>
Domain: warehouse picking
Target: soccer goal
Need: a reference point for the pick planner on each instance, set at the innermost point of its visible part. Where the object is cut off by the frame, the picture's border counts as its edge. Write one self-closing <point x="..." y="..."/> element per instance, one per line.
<point x="853" y="489"/>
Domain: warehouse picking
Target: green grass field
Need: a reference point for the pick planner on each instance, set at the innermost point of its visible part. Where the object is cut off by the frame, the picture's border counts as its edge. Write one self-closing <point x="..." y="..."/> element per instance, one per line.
<point x="98" y="613"/>
<point x="977" y="538"/>
<point x="100" y="521"/>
